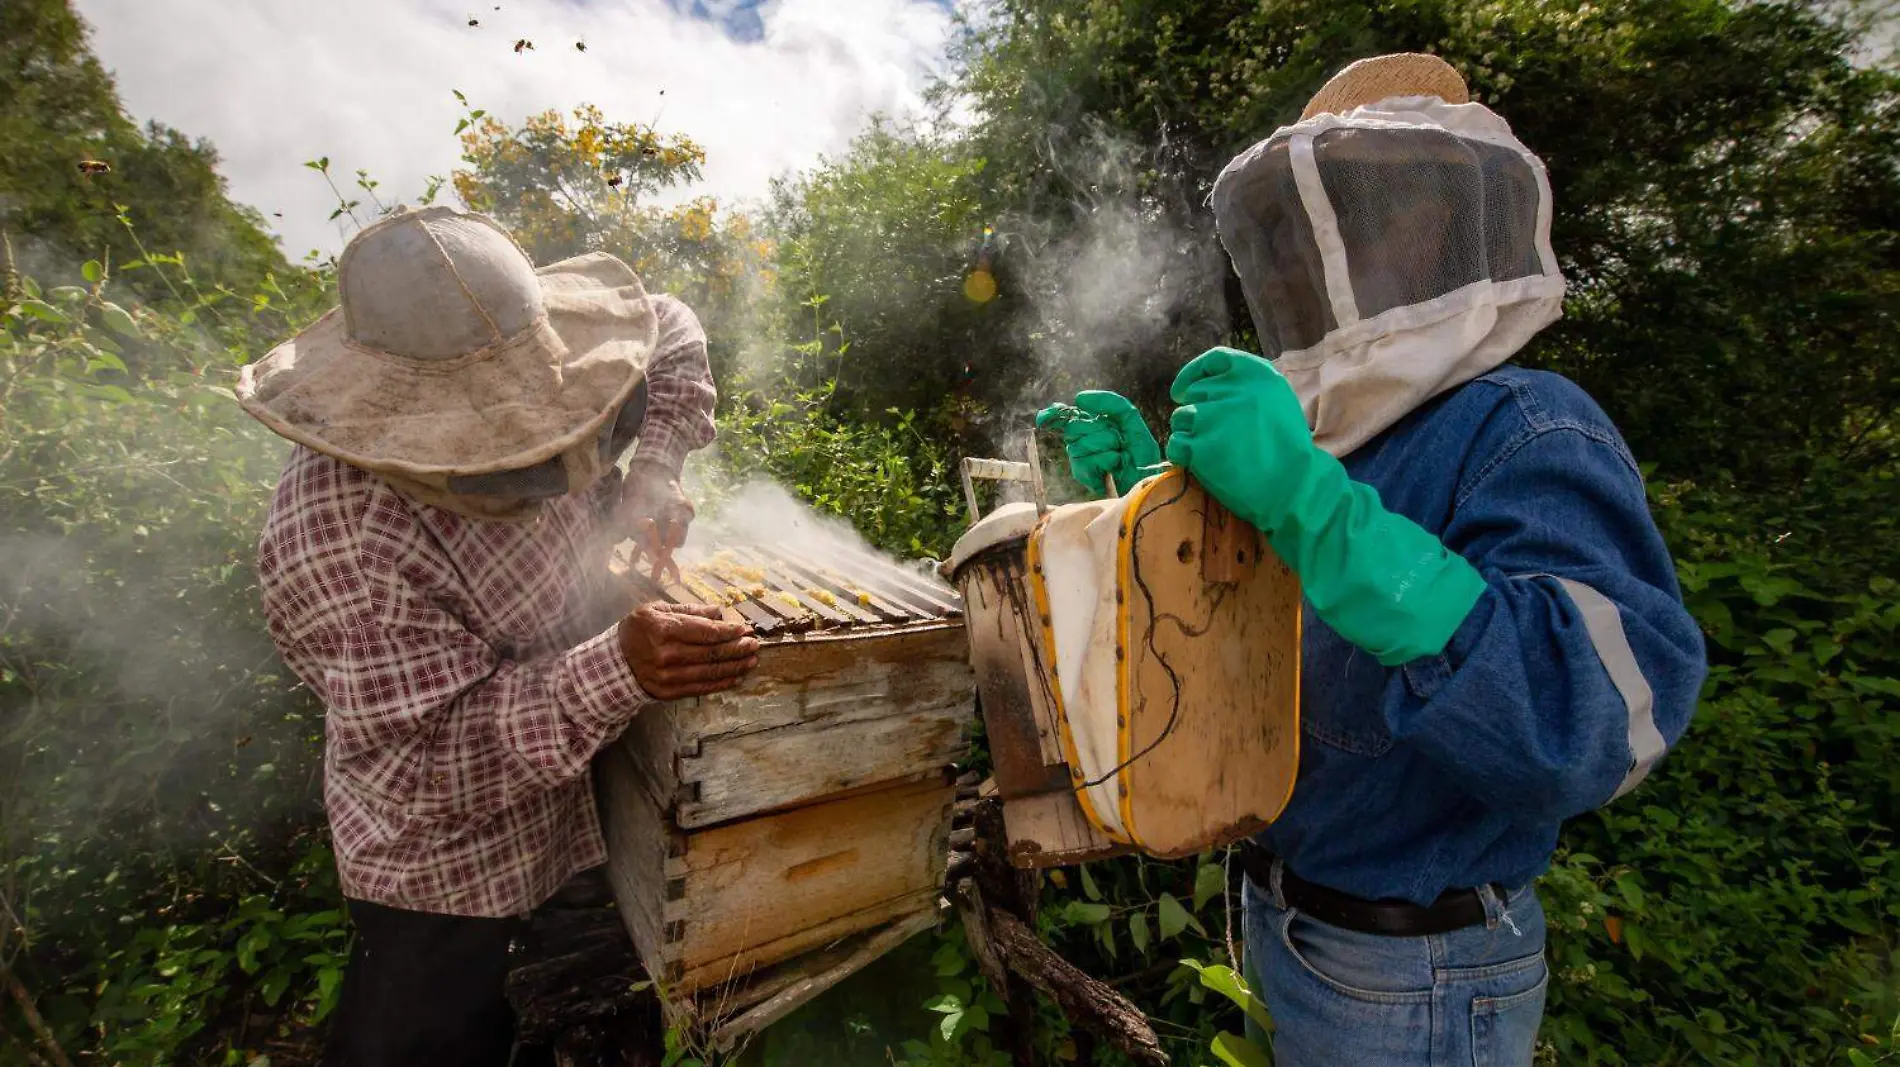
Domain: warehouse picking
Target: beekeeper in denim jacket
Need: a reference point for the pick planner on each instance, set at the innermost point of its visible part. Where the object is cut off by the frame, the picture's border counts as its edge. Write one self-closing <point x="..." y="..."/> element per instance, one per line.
<point x="1494" y="639"/>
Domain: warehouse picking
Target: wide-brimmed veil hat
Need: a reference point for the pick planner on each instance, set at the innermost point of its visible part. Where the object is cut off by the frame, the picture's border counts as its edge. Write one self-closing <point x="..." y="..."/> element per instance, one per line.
<point x="451" y="355"/>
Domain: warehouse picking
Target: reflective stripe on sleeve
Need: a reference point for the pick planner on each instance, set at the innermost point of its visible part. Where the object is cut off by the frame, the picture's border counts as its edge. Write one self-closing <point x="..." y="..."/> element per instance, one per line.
<point x="1605" y="626"/>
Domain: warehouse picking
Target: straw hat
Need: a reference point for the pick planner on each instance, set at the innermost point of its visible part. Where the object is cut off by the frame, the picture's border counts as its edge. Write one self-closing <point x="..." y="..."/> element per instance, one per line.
<point x="1401" y="74"/>
<point x="452" y="355"/>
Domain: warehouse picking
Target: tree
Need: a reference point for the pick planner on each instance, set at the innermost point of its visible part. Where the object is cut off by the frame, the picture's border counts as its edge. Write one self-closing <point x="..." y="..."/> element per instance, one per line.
<point x="874" y="250"/>
<point x="1724" y="177"/>
<point x="564" y="189"/>
<point x="59" y="110"/>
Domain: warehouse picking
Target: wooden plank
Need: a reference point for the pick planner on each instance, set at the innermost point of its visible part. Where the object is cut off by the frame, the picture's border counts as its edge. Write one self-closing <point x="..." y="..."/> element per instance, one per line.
<point x="845" y="601"/>
<point x="740" y="752"/>
<point x="766" y="614"/>
<point x="1214" y="675"/>
<point x="745" y="609"/>
<point x="643" y="589"/>
<point x="737" y="776"/>
<point x="865" y="598"/>
<point x="742" y="965"/>
<point x="703" y="590"/>
<point x="754" y="892"/>
<point x="779" y="586"/>
<point x="930" y="589"/>
<point x="896" y="611"/>
<point x="1049" y="830"/>
<point x="916" y="587"/>
<point x="861" y="580"/>
<point x="1025" y="764"/>
<point x="638" y="842"/>
<point x="651" y="744"/>
<point x="826" y="971"/>
<point x="889" y="582"/>
<point x="856" y="673"/>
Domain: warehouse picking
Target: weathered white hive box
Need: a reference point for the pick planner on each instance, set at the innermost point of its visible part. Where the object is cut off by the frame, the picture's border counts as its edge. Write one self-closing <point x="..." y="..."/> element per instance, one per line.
<point x="765" y="841"/>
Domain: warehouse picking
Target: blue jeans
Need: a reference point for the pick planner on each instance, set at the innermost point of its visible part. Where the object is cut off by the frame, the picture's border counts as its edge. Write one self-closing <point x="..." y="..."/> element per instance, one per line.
<point x="1469" y="998"/>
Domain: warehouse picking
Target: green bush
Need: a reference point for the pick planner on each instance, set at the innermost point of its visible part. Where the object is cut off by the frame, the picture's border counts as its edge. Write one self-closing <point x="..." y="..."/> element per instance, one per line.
<point x="892" y="480"/>
<point x="159" y="769"/>
<point x="1743" y="906"/>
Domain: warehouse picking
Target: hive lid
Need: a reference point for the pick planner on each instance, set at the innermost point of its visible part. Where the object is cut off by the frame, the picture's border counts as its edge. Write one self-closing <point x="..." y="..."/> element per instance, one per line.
<point x="1011" y="522"/>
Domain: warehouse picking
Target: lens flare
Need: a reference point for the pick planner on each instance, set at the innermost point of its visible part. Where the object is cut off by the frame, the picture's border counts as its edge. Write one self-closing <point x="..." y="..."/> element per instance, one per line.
<point x="979" y="287"/>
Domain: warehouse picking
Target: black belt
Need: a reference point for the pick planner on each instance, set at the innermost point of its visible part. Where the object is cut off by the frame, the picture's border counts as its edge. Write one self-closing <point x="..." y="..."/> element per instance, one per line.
<point x="1455" y="909"/>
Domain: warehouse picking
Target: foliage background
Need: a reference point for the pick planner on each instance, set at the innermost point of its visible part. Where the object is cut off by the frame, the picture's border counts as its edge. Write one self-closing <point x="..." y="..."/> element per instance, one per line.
<point x="1726" y="174"/>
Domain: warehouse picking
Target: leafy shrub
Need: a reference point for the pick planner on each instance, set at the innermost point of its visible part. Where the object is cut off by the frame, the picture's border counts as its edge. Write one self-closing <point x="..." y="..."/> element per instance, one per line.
<point x="892" y="480"/>
<point x="159" y="768"/>
<point x="161" y="988"/>
<point x="1742" y="906"/>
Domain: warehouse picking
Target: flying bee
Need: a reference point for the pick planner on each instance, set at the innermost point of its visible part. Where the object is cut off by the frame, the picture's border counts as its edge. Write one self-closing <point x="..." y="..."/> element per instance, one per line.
<point x="614" y="182"/>
<point x="580" y="46"/>
<point x="523" y="45"/>
<point x="473" y="21"/>
<point x="94" y="166"/>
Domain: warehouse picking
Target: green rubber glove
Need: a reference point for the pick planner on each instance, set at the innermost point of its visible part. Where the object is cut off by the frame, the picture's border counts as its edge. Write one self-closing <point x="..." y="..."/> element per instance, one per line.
<point x="1385" y="583"/>
<point x="1105" y="437"/>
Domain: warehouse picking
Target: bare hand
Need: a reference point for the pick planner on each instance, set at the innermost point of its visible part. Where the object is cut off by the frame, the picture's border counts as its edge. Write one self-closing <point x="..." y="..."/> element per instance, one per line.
<point x="685" y="650"/>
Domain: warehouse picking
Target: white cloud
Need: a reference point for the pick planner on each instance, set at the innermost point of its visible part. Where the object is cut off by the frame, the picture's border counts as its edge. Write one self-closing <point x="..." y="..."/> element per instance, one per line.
<point x="367" y="82"/>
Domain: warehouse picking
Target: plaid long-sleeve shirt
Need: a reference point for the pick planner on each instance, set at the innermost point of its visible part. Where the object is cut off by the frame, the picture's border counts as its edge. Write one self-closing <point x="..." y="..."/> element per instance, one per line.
<point x="469" y="669"/>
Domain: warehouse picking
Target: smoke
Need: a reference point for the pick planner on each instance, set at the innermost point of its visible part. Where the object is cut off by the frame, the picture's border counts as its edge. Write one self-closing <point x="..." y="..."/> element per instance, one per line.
<point x="762" y="512"/>
<point x="1124" y="280"/>
<point x="1119" y="289"/>
<point x="145" y="720"/>
<point x="757" y="511"/>
<point x="128" y="626"/>
<point x="142" y="704"/>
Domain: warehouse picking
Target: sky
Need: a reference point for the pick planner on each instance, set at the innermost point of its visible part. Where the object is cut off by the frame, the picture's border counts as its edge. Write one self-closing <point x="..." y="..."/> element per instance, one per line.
<point x="766" y="86"/>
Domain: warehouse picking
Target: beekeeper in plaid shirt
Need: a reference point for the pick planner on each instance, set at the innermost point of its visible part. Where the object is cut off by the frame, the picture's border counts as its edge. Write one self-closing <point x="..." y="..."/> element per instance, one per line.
<point x="433" y="567"/>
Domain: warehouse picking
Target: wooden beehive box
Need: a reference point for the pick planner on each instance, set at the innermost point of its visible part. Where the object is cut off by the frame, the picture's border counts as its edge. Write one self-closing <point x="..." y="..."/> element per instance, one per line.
<point x="1210" y="671"/>
<point x="765" y="841"/>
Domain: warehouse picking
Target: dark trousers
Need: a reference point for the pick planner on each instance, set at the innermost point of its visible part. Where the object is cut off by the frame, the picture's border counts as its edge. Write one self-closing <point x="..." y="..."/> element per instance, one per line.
<point x="424" y="989"/>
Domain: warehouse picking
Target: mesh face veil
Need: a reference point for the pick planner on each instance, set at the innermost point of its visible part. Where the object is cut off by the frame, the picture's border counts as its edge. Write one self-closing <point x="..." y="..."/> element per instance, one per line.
<point x="1389" y="254"/>
<point x="569" y="472"/>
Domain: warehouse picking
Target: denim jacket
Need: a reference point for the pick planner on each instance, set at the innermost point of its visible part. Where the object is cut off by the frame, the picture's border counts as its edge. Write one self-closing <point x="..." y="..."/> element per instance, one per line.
<point x="1576" y="669"/>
